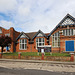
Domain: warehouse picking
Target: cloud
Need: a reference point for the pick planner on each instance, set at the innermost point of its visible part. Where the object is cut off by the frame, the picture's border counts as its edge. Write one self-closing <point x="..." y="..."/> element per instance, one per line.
<point x="32" y="15"/>
<point x="6" y="24"/>
<point x="7" y="5"/>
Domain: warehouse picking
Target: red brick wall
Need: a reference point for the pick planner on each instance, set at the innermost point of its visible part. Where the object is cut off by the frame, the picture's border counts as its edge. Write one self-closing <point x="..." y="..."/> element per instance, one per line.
<point x="34" y="44"/>
<point x="62" y="39"/>
<point x="31" y="47"/>
<point x="18" y="48"/>
<point x="12" y="33"/>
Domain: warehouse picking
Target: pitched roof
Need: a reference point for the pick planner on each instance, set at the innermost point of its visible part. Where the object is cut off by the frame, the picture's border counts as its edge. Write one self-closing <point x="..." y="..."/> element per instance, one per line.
<point x="47" y="34"/>
<point x="38" y="33"/>
<point x="68" y="15"/>
<point x="21" y="34"/>
<point x="30" y="35"/>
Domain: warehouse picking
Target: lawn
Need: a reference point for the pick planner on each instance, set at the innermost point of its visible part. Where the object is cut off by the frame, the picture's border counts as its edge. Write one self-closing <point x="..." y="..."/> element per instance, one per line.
<point x="36" y="54"/>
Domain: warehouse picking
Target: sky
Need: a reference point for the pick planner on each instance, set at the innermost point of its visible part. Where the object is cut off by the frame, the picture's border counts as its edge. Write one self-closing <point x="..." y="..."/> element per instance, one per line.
<point x="34" y="15"/>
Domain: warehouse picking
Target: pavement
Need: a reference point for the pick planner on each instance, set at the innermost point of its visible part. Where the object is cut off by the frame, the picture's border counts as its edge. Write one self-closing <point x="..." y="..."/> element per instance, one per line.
<point x="52" y="66"/>
<point x="38" y="61"/>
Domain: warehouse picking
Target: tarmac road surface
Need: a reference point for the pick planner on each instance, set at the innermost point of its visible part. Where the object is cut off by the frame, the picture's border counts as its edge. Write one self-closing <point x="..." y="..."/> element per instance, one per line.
<point x="21" y="71"/>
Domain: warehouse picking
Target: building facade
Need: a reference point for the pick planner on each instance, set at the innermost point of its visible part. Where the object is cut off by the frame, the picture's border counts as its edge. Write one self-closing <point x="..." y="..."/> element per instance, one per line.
<point x="61" y="38"/>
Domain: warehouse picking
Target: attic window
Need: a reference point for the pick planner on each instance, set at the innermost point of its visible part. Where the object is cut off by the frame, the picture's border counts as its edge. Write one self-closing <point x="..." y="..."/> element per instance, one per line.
<point x="39" y="34"/>
<point x="23" y="36"/>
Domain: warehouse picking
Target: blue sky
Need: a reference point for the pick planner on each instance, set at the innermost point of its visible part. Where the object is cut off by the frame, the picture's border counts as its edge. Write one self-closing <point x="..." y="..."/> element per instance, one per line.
<point x="32" y="15"/>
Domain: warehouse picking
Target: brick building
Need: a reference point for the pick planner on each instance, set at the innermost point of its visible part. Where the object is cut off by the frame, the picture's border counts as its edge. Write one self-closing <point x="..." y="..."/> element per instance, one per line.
<point x="61" y="38"/>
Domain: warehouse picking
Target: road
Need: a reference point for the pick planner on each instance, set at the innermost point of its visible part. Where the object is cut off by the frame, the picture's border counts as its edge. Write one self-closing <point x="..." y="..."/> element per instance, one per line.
<point x="20" y="71"/>
<point x="38" y="66"/>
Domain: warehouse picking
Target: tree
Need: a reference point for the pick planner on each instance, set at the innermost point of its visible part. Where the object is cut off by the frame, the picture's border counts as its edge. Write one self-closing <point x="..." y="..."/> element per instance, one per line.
<point x="4" y="41"/>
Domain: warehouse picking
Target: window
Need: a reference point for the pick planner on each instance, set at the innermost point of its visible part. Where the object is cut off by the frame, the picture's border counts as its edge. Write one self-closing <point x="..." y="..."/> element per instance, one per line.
<point x="0" y="30"/>
<point x="39" y="42"/>
<point x="39" y="34"/>
<point x="7" y="34"/>
<point x="23" y="44"/>
<point x="68" y="32"/>
<point x="56" y="40"/>
<point x="23" y="36"/>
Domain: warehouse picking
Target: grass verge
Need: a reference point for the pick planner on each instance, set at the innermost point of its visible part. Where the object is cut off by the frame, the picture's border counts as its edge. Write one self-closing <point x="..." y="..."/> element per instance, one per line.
<point x="36" y="54"/>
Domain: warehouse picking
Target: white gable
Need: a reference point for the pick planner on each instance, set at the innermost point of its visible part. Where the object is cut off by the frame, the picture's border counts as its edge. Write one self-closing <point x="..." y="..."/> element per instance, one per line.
<point x="23" y="36"/>
<point x="68" y="21"/>
<point x="39" y="34"/>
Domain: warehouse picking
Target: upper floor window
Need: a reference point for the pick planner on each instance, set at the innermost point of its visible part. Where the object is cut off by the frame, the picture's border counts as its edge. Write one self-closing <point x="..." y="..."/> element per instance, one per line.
<point x="40" y="42"/>
<point x="23" y="44"/>
<point x="7" y="34"/>
<point x="0" y="30"/>
<point x="56" y="40"/>
<point x="68" y="32"/>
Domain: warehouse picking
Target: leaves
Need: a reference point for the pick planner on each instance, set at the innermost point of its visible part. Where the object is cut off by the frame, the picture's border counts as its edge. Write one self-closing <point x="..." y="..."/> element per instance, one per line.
<point x="5" y="41"/>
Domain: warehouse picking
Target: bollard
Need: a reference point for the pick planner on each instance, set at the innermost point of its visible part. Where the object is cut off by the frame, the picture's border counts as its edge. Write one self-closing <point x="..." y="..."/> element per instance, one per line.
<point x="72" y="57"/>
<point x="19" y="55"/>
<point x="42" y="56"/>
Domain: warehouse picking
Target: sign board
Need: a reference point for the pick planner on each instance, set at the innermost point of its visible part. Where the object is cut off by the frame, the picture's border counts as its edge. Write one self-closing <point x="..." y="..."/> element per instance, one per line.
<point x="42" y="50"/>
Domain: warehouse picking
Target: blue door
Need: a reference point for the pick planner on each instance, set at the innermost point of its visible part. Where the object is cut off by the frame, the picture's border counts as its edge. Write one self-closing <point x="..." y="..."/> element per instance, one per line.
<point x="69" y="45"/>
<point x="7" y="48"/>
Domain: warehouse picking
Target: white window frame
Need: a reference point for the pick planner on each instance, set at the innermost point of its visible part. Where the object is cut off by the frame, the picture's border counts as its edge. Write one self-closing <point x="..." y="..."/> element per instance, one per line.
<point x="43" y="43"/>
<point x="67" y="33"/>
<point x="20" y="44"/>
<point x="57" y="41"/>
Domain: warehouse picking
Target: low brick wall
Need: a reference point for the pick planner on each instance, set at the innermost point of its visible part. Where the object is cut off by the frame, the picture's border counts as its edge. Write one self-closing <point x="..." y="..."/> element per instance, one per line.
<point x="31" y="57"/>
<point x="57" y="58"/>
<point x="49" y="58"/>
<point x="9" y="57"/>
